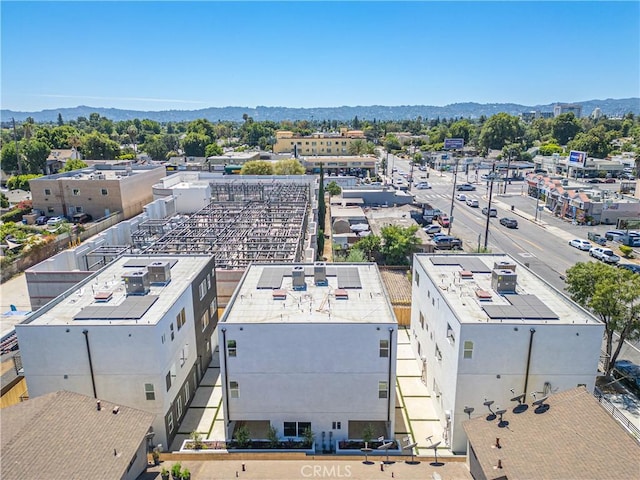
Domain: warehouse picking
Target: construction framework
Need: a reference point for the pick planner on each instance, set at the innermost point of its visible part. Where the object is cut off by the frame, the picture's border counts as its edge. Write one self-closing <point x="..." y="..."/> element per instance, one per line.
<point x="244" y="222"/>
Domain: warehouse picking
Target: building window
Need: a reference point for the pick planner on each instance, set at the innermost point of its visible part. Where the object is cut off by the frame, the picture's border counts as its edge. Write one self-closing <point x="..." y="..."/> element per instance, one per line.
<point x="47" y="191"/>
<point x="468" y="350"/>
<point x="163" y="338"/>
<point x="302" y="426"/>
<point x="79" y="209"/>
<point x="172" y="332"/>
<point x="450" y="336"/>
<point x="187" y="391"/>
<point x="104" y="191"/>
<point x="422" y="320"/>
<point x="213" y="307"/>
<point x="231" y="348"/>
<point x="290" y="429"/>
<point x="234" y="389"/>
<point x="417" y="275"/>
<point x="205" y="320"/>
<point x="75" y="192"/>
<point x="168" y="380"/>
<point x="170" y="421"/>
<point x="202" y="288"/>
<point x="384" y="348"/>
<point x="208" y="346"/>
<point x="179" y="406"/>
<point x="181" y="319"/>
<point x="50" y="210"/>
<point x="383" y="389"/>
<point x="438" y="353"/>
<point x="336" y="425"/>
<point x="149" y="391"/>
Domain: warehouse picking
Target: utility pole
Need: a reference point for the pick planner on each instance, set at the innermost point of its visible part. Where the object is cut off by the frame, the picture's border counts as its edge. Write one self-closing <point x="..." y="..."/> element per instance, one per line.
<point x="486" y="228"/>
<point x="15" y="138"/>
<point x="455" y="179"/>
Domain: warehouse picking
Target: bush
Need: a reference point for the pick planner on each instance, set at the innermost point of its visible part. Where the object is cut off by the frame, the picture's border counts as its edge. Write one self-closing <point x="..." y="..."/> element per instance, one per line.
<point x="21" y="182"/>
<point x="626" y="251"/>
<point x="272" y="436"/>
<point x="242" y="436"/>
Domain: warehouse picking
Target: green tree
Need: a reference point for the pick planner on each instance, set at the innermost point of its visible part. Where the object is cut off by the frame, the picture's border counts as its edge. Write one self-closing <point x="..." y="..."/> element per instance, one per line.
<point x="613" y="295"/>
<point x="4" y="201"/>
<point x="334" y="189"/>
<point x="290" y="166"/>
<point x="213" y="150"/>
<point x="499" y="130"/>
<point x="36" y="153"/>
<point x="369" y="246"/>
<point x="242" y="436"/>
<point x="98" y="146"/>
<point x="462" y="129"/>
<point x="21" y="181"/>
<point x="357" y="147"/>
<point x="398" y="243"/>
<point x="73" y="164"/>
<point x="195" y="144"/>
<point x="8" y="157"/>
<point x="565" y="127"/>
<point x="156" y="147"/>
<point x="549" y="149"/>
<point x="391" y="143"/>
<point x="60" y="121"/>
<point x="257" y="167"/>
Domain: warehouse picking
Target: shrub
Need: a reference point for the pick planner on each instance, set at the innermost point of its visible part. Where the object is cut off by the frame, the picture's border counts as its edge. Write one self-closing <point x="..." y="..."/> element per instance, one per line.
<point x="308" y="436"/>
<point x="176" y="471"/>
<point x="272" y="436"/>
<point x="242" y="436"/>
<point x="626" y="251"/>
<point x="197" y="439"/>
<point x="367" y="433"/>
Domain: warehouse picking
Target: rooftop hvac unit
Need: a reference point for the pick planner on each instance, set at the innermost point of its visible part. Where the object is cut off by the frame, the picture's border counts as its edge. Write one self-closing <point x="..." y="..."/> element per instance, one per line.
<point x="297" y="278"/>
<point x="137" y="283"/>
<point x="504" y="281"/>
<point x="504" y="266"/>
<point x="320" y="274"/>
<point x="159" y="272"/>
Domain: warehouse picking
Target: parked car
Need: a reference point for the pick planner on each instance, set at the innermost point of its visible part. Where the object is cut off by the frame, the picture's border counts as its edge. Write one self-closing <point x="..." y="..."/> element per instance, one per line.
<point x="629" y="372"/>
<point x="81" y="218"/>
<point x="444" y="220"/>
<point x="465" y="187"/>
<point x="509" y="222"/>
<point x="580" y="244"/>
<point x="432" y="229"/>
<point x="447" y="242"/>
<point x="604" y="254"/>
<point x="423" y="185"/>
<point x="462" y="197"/>
<point x="473" y="203"/>
<point x="56" y="220"/>
<point x="613" y="234"/>
<point x="42" y="220"/>
<point x="594" y="180"/>
<point x="492" y="213"/>
<point x="630" y="266"/>
<point x="609" y="180"/>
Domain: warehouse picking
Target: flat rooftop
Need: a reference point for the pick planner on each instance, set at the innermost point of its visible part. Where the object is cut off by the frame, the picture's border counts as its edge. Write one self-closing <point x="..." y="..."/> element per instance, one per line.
<point x="466" y="282"/>
<point x="353" y="293"/>
<point x="102" y="298"/>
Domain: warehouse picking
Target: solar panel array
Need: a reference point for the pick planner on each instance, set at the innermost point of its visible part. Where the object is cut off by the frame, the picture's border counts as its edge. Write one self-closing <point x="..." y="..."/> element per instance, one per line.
<point x="471" y="264"/>
<point x="348" y="277"/>
<point x="527" y="307"/>
<point x="271" y="277"/>
<point x="132" y="308"/>
<point x="143" y="262"/>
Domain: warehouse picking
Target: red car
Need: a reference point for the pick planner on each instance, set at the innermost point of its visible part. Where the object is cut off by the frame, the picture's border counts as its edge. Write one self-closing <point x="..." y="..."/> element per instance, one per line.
<point x="609" y="180"/>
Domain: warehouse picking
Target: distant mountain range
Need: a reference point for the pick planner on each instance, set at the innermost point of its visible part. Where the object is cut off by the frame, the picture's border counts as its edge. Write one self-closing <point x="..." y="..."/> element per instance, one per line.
<point x="610" y="107"/>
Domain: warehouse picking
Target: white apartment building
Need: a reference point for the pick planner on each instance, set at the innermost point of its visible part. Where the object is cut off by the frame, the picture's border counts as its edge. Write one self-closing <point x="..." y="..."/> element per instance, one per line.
<point x="309" y="346"/>
<point x="136" y="333"/>
<point x="486" y="329"/>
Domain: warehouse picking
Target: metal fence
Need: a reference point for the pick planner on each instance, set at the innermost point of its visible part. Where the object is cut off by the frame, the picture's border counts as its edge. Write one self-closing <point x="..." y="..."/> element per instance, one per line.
<point x="616" y="413"/>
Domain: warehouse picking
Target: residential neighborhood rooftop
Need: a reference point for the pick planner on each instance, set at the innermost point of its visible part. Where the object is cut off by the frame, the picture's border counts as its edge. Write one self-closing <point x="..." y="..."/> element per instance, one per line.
<point x="349" y="293"/>
<point x="496" y="288"/>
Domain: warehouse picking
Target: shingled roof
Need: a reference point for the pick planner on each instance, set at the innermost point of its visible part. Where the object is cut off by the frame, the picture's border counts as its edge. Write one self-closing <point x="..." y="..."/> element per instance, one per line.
<point x="63" y="435"/>
<point x="575" y="438"/>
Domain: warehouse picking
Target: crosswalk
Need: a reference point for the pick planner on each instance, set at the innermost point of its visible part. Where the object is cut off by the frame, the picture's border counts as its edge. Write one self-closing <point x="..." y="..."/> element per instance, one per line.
<point x="422" y="195"/>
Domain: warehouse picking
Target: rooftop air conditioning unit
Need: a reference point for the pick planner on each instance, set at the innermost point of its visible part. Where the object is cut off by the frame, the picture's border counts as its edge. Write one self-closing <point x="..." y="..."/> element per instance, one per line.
<point x="159" y="272"/>
<point x="297" y="278"/>
<point x="137" y="283"/>
<point x="504" y="266"/>
<point x="320" y="274"/>
<point x="504" y="281"/>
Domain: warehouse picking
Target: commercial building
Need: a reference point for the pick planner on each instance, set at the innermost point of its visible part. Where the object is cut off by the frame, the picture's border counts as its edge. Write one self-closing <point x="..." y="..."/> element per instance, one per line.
<point x="486" y="330"/>
<point x="136" y="333"/>
<point x="335" y="166"/>
<point x="319" y="143"/>
<point x="568" y="435"/>
<point x="69" y="435"/>
<point x="560" y="108"/>
<point x="98" y="191"/>
<point x="309" y="346"/>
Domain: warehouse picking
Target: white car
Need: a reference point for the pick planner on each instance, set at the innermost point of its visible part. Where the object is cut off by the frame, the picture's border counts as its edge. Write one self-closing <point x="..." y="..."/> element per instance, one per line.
<point x="604" y="254"/>
<point x="462" y="197"/>
<point x="473" y="203"/>
<point x="432" y="229"/>
<point x="580" y="244"/>
<point x="423" y="186"/>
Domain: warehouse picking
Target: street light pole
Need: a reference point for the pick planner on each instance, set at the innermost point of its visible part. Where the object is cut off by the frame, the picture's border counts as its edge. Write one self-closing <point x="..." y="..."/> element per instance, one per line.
<point x="537" y="200"/>
<point x="455" y="179"/>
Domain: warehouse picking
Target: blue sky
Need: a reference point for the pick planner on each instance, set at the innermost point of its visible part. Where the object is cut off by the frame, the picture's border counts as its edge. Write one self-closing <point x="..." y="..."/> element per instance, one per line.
<point x="192" y="55"/>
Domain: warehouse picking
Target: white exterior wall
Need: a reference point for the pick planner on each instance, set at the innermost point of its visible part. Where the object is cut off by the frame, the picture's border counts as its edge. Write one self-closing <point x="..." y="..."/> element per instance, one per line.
<point x="562" y="354"/>
<point x="191" y="197"/>
<point x="318" y="373"/>
<point x="124" y="358"/>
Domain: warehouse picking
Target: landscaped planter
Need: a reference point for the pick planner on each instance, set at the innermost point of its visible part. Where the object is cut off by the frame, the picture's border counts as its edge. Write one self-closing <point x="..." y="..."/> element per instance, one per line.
<point x="255" y="446"/>
<point x="353" y="447"/>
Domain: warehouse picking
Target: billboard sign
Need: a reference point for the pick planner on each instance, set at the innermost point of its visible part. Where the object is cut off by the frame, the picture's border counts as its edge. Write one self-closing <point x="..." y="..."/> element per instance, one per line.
<point x="453" y="143"/>
<point x="577" y="159"/>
